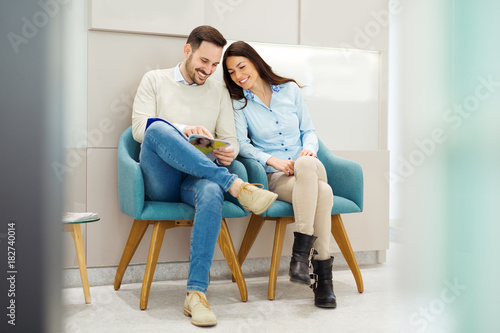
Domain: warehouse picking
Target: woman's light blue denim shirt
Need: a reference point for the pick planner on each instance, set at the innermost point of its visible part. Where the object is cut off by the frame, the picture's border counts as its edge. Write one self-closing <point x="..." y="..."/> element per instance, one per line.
<point x="282" y="130"/>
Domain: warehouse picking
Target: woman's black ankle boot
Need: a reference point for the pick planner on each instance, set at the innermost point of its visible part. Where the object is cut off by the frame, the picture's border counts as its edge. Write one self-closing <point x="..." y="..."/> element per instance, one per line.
<point x="323" y="284"/>
<point x="299" y="265"/>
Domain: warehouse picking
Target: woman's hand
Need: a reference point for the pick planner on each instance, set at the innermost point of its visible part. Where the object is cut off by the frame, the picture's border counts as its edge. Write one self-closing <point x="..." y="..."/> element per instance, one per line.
<point x="287" y="166"/>
<point x="224" y="155"/>
<point x="307" y="152"/>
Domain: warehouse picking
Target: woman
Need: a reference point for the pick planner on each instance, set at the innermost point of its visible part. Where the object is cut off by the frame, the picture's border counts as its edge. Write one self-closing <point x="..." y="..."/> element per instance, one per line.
<point x="274" y="128"/>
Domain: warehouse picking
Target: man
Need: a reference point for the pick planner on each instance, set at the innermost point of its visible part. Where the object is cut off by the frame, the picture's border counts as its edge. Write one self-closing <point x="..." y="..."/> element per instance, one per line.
<point x="176" y="171"/>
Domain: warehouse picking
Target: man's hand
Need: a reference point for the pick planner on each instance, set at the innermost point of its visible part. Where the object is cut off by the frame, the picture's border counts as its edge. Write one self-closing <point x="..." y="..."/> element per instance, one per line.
<point x="307" y="152"/>
<point x="224" y="155"/>
<point x="287" y="166"/>
<point x="188" y="130"/>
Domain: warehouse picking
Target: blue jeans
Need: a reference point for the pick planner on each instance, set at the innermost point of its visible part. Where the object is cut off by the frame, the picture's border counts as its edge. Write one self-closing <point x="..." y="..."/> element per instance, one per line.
<point x="175" y="171"/>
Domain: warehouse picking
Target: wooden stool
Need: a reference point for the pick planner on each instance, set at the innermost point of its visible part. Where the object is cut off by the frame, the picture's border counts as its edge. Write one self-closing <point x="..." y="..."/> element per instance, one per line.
<point x="76" y="233"/>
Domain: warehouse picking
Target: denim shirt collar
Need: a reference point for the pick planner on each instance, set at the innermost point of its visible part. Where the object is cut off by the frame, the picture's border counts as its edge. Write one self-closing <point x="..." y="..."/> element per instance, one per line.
<point x="250" y="95"/>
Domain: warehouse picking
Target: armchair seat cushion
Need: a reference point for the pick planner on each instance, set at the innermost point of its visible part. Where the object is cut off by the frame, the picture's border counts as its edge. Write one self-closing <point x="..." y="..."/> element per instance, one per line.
<point x="285" y="209"/>
<point x="159" y="211"/>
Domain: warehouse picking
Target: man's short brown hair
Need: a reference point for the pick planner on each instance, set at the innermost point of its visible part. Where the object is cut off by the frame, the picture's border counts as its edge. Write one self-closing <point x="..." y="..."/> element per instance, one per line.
<point x="205" y="33"/>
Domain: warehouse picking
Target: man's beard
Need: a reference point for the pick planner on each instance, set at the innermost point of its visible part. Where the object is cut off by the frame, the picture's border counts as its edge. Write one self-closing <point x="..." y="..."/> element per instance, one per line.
<point x="192" y="72"/>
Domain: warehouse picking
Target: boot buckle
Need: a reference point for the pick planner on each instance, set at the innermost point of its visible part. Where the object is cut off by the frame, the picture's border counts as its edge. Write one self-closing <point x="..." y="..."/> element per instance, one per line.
<point x="311" y="254"/>
<point x="314" y="285"/>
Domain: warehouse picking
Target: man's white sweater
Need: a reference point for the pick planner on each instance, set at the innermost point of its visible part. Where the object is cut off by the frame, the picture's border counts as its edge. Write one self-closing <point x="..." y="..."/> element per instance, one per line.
<point x="160" y="96"/>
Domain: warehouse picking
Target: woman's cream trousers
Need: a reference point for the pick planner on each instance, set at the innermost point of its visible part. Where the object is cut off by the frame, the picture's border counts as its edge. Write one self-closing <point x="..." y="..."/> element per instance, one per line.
<point x="312" y="199"/>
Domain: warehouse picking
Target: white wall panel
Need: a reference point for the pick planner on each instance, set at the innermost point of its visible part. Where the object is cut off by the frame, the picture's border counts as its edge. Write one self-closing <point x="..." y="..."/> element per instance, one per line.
<point x="369" y="230"/>
<point x="102" y="197"/>
<point x="117" y="63"/>
<point x="273" y="21"/>
<point x="75" y="75"/>
<point x="354" y="24"/>
<point x="172" y="17"/>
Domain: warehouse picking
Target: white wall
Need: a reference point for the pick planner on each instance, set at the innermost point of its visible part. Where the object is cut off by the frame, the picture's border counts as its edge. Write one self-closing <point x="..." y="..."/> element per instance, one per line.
<point x="348" y="25"/>
<point x="117" y="59"/>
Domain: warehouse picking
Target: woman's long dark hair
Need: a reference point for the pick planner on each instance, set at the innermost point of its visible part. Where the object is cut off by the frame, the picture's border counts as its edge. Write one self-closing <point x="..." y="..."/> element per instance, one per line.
<point x="242" y="49"/>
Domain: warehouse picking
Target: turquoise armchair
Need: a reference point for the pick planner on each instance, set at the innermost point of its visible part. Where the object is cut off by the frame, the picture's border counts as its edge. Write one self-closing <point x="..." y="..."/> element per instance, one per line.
<point x="346" y="179"/>
<point x="163" y="216"/>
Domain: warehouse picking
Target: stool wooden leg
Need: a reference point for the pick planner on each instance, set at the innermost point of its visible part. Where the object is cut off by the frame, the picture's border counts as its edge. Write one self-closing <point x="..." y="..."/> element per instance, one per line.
<point x="76" y="233"/>
<point x="279" y="236"/>
<point x="227" y="248"/>
<point x="344" y="244"/>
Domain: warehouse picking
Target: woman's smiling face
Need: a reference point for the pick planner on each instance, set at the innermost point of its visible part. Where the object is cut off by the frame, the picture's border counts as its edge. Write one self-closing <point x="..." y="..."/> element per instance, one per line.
<point x="242" y="71"/>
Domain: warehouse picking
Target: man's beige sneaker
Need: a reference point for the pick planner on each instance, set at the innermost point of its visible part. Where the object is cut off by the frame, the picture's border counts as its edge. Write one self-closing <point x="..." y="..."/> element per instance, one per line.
<point x="196" y="307"/>
<point x="256" y="199"/>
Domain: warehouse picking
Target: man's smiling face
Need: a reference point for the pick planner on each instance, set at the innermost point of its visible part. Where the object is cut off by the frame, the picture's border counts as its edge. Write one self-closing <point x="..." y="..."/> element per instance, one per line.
<point x="201" y="63"/>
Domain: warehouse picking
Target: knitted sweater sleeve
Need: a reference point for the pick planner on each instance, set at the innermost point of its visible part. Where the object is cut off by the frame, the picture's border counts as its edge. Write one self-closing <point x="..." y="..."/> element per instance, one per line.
<point x="144" y="106"/>
<point x="225" y="129"/>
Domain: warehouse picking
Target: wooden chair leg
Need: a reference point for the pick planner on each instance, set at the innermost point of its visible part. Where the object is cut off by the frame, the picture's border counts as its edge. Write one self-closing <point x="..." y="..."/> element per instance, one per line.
<point x="254" y="225"/>
<point x="340" y="235"/>
<point x="279" y="236"/>
<point x="76" y="233"/>
<point x="134" y="238"/>
<point x="227" y="248"/>
<point x="154" y="251"/>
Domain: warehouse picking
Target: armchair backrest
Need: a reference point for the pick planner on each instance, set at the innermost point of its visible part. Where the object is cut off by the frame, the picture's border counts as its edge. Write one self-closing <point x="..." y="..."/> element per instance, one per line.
<point x="256" y="172"/>
<point x="349" y="182"/>
<point x="130" y="181"/>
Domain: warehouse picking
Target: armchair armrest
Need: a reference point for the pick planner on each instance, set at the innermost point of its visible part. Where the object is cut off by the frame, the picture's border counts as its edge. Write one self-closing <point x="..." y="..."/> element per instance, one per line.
<point x="238" y="169"/>
<point x="130" y="180"/>
<point x="256" y="172"/>
<point x="344" y="176"/>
